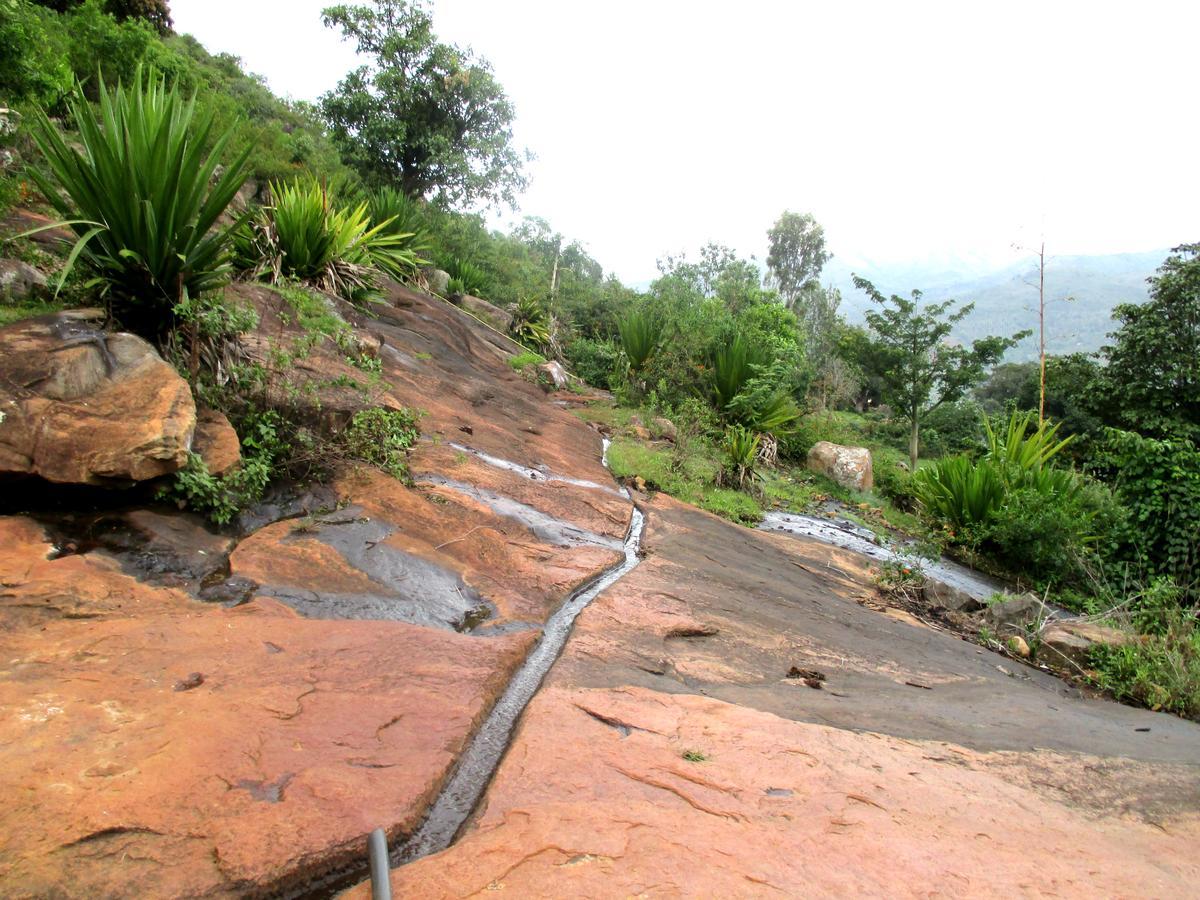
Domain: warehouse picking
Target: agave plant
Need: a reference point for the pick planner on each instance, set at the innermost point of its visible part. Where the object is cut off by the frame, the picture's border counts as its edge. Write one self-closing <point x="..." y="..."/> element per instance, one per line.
<point x="640" y="335"/>
<point x="470" y="278"/>
<point x="530" y="324"/>
<point x="305" y="234"/>
<point x="958" y="491"/>
<point x="962" y="492"/>
<point x="741" y="446"/>
<point x="142" y="196"/>
<point x="733" y="365"/>
<point x="400" y="215"/>
<point x="1023" y="456"/>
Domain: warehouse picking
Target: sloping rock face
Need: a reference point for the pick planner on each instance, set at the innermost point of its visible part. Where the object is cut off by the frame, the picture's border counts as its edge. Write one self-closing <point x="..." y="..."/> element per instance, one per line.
<point x="154" y="744"/>
<point x="848" y="466"/>
<point x="83" y="407"/>
<point x="670" y="753"/>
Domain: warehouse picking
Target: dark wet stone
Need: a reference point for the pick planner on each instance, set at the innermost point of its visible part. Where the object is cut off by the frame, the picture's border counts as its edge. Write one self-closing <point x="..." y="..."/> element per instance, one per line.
<point x="232" y="591"/>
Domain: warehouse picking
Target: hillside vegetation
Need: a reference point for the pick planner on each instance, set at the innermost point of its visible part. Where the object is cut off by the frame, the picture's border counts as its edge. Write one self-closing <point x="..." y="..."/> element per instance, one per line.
<point x="177" y="173"/>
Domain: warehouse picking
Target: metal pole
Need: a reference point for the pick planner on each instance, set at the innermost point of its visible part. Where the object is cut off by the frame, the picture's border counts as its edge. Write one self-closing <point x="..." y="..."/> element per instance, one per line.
<point x="381" y="875"/>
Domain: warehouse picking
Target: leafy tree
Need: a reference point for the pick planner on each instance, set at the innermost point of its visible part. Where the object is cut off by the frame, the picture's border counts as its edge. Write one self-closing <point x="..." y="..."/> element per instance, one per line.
<point x="425" y="116"/>
<point x="796" y="256"/>
<point x="1152" y="381"/>
<point x="920" y="369"/>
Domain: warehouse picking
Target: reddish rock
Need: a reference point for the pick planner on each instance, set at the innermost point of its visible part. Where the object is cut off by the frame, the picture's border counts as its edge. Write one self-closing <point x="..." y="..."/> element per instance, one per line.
<point x="486" y="312"/>
<point x="85" y="407"/>
<point x="54" y="240"/>
<point x="216" y="442"/>
<point x="918" y="768"/>
<point x="848" y="466"/>
<point x="153" y="746"/>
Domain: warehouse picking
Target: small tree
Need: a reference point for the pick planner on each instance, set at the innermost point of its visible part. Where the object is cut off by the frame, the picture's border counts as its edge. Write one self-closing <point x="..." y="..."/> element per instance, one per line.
<point x="425" y="116"/>
<point x="920" y="368"/>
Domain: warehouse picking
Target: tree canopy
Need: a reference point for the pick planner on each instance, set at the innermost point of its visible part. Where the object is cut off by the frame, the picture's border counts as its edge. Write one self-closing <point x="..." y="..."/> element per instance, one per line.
<point x="1152" y="381"/>
<point x="427" y="117"/>
<point x="919" y="368"/>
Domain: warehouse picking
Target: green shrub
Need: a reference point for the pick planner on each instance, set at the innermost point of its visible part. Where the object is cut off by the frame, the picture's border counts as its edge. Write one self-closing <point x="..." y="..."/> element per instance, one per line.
<point x="221" y="498"/>
<point x="1161" y="670"/>
<point x="143" y="197"/>
<point x="520" y="360"/>
<point x="468" y="278"/>
<point x="593" y="360"/>
<point x="383" y="437"/>
<point x="958" y="492"/>
<point x="1159" y="482"/>
<point x="36" y="67"/>
<point x="740" y="466"/>
<point x="895" y="483"/>
<point x="400" y="215"/>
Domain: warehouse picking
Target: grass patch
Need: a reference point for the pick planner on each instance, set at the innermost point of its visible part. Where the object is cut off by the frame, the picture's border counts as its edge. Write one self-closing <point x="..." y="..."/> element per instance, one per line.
<point x="520" y="361"/>
<point x="691" y="479"/>
<point x="696" y="756"/>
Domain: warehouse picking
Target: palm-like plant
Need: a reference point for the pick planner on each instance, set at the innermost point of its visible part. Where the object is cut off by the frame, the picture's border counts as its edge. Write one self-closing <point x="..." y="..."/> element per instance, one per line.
<point x="741" y="447"/>
<point x="640" y="335"/>
<point x="733" y="365"/>
<point x="400" y="215"/>
<point x="469" y="278"/>
<point x="305" y="234"/>
<point x="1023" y="456"/>
<point x="530" y="324"/>
<point x="143" y="197"/>
<point x="959" y="492"/>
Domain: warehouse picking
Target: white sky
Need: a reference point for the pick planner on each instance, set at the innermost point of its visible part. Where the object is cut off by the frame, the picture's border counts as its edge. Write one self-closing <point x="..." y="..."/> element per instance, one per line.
<point x="914" y="131"/>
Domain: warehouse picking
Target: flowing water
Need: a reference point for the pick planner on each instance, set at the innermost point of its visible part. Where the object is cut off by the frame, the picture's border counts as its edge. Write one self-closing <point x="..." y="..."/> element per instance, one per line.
<point x="461" y="793"/>
<point x="849" y="536"/>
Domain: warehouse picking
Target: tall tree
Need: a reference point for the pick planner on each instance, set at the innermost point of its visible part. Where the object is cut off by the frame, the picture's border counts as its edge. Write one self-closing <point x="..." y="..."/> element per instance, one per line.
<point x="920" y="369"/>
<point x="425" y="116"/>
<point x="1152" y="380"/>
<point x="796" y="256"/>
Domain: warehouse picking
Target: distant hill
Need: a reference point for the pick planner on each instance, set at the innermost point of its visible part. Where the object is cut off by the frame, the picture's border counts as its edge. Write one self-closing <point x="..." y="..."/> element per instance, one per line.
<point x="1006" y="299"/>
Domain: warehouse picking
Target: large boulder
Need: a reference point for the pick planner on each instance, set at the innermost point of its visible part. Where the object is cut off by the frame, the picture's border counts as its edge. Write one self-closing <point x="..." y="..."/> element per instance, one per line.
<point x="486" y="312"/>
<point x="848" y="466"/>
<point x="216" y="442"/>
<point x="437" y="279"/>
<point x="1071" y="641"/>
<point x="80" y="406"/>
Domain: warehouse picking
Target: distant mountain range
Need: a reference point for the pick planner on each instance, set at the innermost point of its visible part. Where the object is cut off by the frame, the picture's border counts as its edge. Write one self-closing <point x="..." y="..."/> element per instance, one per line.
<point x="1006" y="299"/>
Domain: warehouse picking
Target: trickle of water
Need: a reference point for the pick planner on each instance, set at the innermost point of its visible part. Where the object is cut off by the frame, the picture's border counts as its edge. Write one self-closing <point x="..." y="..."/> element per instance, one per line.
<point x="851" y="537"/>
<point x="476" y="766"/>
<point x="536" y="474"/>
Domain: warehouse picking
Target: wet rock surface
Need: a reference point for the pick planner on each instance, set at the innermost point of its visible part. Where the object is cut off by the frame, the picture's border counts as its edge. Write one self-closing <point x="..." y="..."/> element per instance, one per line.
<point x="185" y="712"/>
<point x="670" y="753"/>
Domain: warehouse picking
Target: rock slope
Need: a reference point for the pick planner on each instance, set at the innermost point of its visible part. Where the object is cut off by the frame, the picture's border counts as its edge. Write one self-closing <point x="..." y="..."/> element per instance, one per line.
<point x="670" y="753"/>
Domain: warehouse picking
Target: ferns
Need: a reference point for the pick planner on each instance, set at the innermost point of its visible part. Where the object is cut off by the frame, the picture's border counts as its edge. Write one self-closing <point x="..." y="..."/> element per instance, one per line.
<point x="467" y="277"/>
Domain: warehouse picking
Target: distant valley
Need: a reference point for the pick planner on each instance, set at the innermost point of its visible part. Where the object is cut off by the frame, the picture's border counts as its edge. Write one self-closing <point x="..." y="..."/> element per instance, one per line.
<point x="1006" y="299"/>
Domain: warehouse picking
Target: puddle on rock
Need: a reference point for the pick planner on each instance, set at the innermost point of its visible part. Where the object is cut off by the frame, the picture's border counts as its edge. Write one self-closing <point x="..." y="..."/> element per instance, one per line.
<point x="410" y="588"/>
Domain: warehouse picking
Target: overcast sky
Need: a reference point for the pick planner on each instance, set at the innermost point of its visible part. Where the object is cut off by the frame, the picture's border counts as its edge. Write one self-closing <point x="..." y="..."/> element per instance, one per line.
<point x="914" y="131"/>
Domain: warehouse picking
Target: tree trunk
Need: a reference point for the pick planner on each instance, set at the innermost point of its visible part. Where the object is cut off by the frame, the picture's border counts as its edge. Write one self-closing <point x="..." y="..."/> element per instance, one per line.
<point x="913" y="442"/>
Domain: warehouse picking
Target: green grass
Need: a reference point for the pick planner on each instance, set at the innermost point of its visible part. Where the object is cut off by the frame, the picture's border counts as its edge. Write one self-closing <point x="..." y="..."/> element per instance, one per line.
<point x="693" y="480"/>
<point x="26" y="309"/>
<point x="520" y="360"/>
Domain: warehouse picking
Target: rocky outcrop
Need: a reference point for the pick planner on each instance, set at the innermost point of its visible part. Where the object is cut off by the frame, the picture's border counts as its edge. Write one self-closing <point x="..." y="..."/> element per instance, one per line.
<point x="173" y="723"/>
<point x="805" y="745"/>
<point x="1069" y="643"/>
<point x="81" y="406"/>
<point x="848" y="466"/>
<point x="493" y="315"/>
